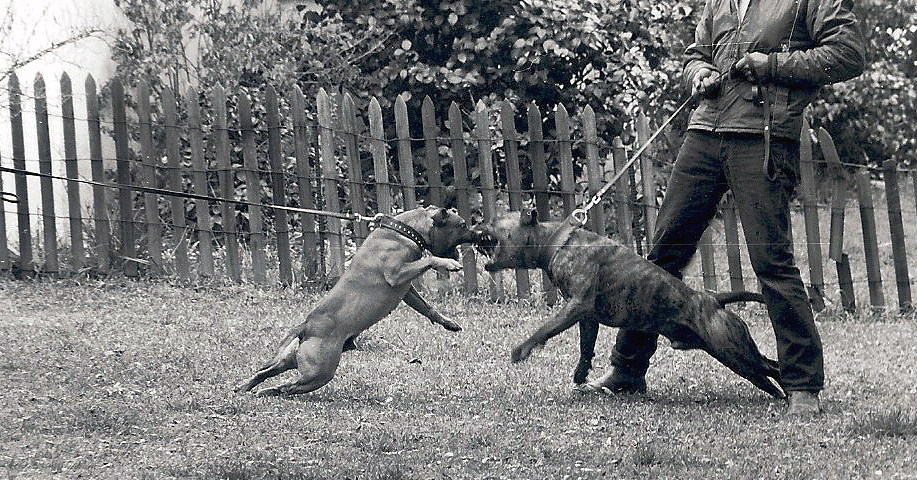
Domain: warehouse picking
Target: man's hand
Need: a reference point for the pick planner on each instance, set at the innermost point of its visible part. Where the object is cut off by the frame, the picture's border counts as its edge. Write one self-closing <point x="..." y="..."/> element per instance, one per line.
<point x="706" y="82"/>
<point x="752" y="66"/>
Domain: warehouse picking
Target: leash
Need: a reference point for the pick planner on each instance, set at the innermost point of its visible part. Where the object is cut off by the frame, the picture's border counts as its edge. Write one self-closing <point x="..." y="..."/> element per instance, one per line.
<point x="193" y="196"/>
<point x="9" y="197"/>
<point x="578" y="217"/>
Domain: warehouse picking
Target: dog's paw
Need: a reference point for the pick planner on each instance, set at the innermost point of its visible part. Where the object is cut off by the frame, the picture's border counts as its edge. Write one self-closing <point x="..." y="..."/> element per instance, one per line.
<point x="269" y="392"/>
<point x="521" y="352"/>
<point x="448" y="264"/>
<point x="449" y="324"/>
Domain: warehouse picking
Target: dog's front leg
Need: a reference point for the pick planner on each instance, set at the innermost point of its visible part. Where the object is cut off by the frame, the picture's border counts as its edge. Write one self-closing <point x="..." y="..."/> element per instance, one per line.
<point x="572" y="312"/>
<point x="417" y="302"/>
<point x="588" y="332"/>
<point x="406" y="272"/>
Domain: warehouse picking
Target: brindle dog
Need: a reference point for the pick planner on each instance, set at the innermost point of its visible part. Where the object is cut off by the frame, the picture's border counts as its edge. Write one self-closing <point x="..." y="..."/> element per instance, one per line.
<point x="605" y="282"/>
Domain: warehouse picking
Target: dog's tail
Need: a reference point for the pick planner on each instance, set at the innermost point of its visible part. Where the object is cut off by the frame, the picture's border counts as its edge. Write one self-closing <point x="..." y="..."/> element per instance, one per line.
<point x="725" y="298"/>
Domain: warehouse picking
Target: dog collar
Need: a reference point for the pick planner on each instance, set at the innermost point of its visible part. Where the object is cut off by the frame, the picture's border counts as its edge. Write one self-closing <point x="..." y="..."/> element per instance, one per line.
<point x="405" y="230"/>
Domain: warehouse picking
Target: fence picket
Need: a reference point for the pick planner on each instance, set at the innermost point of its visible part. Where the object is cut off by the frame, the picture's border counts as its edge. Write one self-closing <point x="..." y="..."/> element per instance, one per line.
<point x="540" y="185"/>
<point x="488" y="190"/>
<point x="330" y="174"/>
<point x="278" y="188"/>
<point x="5" y="265"/>
<point x="565" y="158"/>
<point x="816" y="285"/>
<point x="648" y="177"/>
<point x="870" y="241"/>
<point x="302" y="144"/>
<point x="838" y="202"/>
<point x="896" y="227"/>
<point x="48" y="215"/>
<point x="123" y="175"/>
<point x="594" y="170"/>
<point x="227" y="184"/>
<point x="199" y="185"/>
<point x="624" y="217"/>
<point x="462" y="193"/>
<point x="405" y="156"/>
<point x="431" y="155"/>
<point x="513" y="182"/>
<point x="845" y="282"/>
<point x="252" y="189"/>
<point x="354" y="165"/>
<point x="174" y="181"/>
<point x="101" y="227"/>
<point x="380" y="162"/>
<point x="73" y="188"/>
<point x="148" y="178"/>
<point x="23" y="221"/>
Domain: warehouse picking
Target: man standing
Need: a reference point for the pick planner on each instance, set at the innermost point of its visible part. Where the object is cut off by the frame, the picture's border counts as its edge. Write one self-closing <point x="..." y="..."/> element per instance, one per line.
<point x="757" y="65"/>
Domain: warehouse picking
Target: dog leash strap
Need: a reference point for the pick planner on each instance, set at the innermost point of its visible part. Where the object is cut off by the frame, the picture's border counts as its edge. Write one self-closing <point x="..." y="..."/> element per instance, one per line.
<point x="402" y="228"/>
<point x="8" y="197"/>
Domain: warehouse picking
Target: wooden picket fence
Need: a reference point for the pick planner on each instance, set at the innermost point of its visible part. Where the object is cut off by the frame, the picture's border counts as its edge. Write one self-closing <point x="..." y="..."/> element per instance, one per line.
<point x="323" y="160"/>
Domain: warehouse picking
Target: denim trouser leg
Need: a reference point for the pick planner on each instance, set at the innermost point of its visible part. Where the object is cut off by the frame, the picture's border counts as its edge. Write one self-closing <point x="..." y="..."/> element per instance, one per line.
<point x="763" y="207"/>
<point x="707" y="165"/>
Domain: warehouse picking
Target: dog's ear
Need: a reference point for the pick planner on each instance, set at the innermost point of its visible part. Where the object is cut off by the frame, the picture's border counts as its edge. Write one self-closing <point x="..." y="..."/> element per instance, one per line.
<point x="528" y="217"/>
<point x="440" y="217"/>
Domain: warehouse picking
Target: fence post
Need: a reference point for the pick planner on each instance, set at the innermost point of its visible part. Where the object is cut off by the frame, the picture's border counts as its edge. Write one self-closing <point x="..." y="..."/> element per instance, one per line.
<point x="845" y="281"/>
<point x="278" y="188"/>
<point x="462" y="192"/>
<point x="227" y="184"/>
<point x="70" y="160"/>
<point x="252" y="189"/>
<point x="173" y="156"/>
<point x="302" y="144"/>
<point x="148" y="179"/>
<point x="199" y="181"/>
<point x="488" y="191"/>
<point x="99" y="205"/>
<point x="540" y="186"/>
<point x="405" y="157"/>
<point x="513" y="182"/>
<point x="49" y="217"/>
<point x="354" y="166"/>
<point x="896" y="227"/>
<point x="870" y="242"/>
<point x="330" y="176"/>
<point x="593" y="169"/>
<point x="123" y="175"/>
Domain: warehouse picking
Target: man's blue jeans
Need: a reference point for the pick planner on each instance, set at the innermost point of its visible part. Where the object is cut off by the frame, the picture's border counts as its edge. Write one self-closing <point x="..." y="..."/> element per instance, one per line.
<point x="708" y="165"/>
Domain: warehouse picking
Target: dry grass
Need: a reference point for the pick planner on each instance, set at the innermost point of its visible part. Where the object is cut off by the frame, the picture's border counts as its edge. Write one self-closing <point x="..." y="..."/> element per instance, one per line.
<point x="118" y="379"/>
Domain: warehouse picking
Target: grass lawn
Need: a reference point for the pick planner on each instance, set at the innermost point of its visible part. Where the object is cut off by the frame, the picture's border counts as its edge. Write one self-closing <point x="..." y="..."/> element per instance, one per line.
<point x="121" y="379"/>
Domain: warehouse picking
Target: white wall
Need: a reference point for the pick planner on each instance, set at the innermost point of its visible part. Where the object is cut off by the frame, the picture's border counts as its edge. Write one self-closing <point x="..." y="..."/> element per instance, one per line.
<point x="29" y="27"/>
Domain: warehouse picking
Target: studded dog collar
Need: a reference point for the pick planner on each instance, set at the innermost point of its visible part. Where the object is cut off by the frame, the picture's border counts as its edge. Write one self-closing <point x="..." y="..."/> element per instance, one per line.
<point x="405" y="230"/>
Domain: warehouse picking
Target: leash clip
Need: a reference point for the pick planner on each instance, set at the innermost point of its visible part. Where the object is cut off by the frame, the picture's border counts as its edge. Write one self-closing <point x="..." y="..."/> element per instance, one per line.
<point x="578" y="217"/>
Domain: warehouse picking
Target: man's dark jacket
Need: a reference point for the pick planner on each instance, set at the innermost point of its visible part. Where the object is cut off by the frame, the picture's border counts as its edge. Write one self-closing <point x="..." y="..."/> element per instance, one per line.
<point x="810" y="43"/>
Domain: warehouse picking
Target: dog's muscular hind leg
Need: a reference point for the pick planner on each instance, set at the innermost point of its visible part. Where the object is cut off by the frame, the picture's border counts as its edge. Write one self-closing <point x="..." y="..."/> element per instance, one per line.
<point x="317" y="361"/>
<point x="284" y="360"/>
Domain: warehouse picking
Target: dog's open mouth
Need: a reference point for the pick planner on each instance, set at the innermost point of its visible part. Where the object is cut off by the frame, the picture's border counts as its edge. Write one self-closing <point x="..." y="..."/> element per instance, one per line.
<point x="486" y="244"/>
